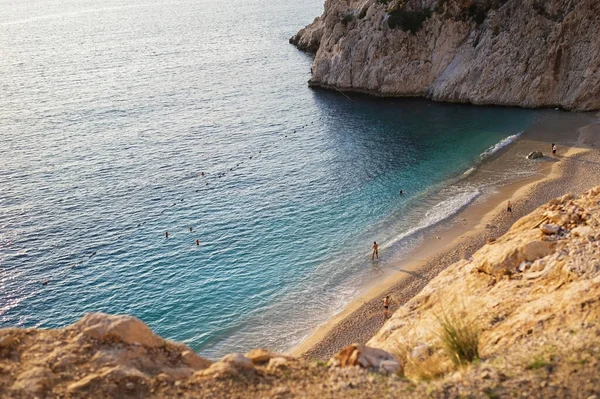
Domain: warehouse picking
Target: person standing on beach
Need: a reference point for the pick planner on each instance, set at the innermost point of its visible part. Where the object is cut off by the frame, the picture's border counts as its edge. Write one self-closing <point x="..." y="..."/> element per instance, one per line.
<point x="386" y="307"/>
<point x="508" y="207"/>
<point x="553" y="149"/>
<point x="375" y="251"/>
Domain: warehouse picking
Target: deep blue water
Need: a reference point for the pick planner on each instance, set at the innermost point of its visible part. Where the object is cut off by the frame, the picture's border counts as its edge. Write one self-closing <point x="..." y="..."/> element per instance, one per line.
<point x="109" y="112"/>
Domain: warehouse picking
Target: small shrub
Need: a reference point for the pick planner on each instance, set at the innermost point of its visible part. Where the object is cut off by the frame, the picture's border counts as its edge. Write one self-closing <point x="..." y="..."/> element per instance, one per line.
<point x="478" y="10"/>
<point x="478" y="13"/>
<point x="439" y="6"/>
<point x="540" y="8"/>
<point x="408" y="20"/>
<point x="430" y="368"/>
<point x="346" y="19"/>
<point x="460" y="337"/>
<point x="537" y="363"/>
<point x="496" y="30"/>
<point x="489" y="392"/>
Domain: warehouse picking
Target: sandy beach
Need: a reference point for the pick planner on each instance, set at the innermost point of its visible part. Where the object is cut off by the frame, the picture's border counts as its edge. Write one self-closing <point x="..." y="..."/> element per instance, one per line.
<point x="575" y="168"/>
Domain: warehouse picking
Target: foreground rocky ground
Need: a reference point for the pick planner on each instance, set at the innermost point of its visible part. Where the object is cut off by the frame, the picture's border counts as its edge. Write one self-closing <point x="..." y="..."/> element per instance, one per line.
<point x="532" y="296"/>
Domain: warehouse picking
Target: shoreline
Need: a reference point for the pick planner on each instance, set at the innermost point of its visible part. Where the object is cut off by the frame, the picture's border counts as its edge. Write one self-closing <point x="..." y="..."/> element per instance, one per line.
<point x="462" y="235"/>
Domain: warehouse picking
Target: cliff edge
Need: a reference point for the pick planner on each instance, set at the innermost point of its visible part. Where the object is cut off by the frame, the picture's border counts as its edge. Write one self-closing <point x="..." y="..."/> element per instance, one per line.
<point x="529" y="53"/>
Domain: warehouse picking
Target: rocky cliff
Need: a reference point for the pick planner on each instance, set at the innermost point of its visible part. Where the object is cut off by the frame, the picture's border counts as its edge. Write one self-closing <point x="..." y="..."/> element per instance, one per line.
<point x="529" y="299"/>
<point x="520" y="318"/>
<point x="528" y="53"/>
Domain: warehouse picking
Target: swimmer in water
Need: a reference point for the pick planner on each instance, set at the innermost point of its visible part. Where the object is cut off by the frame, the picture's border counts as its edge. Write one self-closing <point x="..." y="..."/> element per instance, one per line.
<point x="197" y="242"/>
<point x="191" y="229"/>
<point x="375" y="251"/>
<point x="166" y="234"/>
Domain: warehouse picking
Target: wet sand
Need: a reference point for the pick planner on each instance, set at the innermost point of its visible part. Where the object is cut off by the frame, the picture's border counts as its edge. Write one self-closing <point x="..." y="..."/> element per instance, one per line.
<point x="574" y="169"/>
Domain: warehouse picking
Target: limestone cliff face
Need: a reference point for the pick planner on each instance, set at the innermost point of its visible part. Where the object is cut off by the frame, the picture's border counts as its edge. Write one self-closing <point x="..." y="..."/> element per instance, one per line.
<point x="528" y="53"/>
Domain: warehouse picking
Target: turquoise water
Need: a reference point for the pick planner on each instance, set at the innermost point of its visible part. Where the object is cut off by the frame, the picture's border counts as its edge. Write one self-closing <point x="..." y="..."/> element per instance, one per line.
<point x="111" y="110"/>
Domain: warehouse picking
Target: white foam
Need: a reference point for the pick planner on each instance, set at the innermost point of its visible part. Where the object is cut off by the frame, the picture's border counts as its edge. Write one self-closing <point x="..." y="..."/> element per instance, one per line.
<point x="500" y="145"/>
<point x="438" y="213"/>
<point x="469" y="171"/>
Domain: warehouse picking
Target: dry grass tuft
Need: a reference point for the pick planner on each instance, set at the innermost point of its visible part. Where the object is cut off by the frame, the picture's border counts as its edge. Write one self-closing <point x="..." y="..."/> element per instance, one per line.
<point x="460" y="337"/>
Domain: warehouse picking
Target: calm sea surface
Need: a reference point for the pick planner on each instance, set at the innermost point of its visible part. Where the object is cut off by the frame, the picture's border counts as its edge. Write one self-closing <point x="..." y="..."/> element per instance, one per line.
<point x="111" y="110"/>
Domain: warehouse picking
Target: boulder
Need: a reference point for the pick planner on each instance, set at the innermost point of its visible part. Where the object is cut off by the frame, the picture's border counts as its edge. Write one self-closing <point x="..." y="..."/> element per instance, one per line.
<point x="504" y="259"/>
<point x="238" y="361"/>
<point x="277" y="363"/>
<point x="582" y="231"/>
<point x="261" y="356"/>
<point x="109" y="376"/>
<point x="230" y="365"/>
<point x="218" y="370"/>
<point x="535" y="155"/>
<point x="125" y="329"/>
<point x="192" y="360"/>
<point x="550" y="228"/>
<point x="368" y="358"/>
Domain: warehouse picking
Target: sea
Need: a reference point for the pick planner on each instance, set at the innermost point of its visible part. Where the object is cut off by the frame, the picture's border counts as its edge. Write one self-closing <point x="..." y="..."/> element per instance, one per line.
<point x="123" y="120"/>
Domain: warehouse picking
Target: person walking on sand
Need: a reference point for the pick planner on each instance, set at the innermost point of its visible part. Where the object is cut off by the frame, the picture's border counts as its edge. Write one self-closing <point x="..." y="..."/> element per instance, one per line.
<point x="553" y="149"/>
<point x="375" y="251"/>
<point x="386" y="307"/>
<point x="508" y="207"/>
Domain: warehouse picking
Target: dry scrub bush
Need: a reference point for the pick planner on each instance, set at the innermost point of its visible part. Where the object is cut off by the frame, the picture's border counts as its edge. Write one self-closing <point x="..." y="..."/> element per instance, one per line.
<point x="427" y="369"/>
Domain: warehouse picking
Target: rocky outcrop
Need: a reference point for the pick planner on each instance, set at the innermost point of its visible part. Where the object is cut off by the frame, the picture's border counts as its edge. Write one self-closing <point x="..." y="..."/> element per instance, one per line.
<point x="535" y="155"/>
<point x="104" y="354"/>
<point x="528" y="298"/>
<point x="367" y="358"/>
<point x="528" y="53"/>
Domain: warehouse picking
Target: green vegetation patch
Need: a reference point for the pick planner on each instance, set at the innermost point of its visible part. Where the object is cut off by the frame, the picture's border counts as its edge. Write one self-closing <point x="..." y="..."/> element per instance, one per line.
<point x="478" y="10"/>
<point x="537" y="363"/>
<point x="347" y="18"/>
<point x="408" y="21"/>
